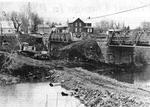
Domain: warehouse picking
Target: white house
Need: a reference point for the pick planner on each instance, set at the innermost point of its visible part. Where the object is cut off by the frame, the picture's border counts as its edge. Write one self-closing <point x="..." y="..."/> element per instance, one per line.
<point x="6" y="27"/>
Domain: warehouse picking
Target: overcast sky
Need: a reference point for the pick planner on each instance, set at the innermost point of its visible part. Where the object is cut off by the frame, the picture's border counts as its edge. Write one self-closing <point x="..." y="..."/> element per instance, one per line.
<point x="61" y="10"/>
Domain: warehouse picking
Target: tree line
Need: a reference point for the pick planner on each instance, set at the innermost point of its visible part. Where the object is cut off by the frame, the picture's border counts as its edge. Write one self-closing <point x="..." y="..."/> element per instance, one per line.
<point x="104" y="25"/>
<point x="24" y="23"/>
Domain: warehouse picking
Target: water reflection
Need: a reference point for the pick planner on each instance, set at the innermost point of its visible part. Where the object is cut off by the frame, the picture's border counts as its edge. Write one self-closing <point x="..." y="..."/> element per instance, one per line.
<point x="35" y="95"/>
<point x="140" y="78"/>
<point x="124" y="77"/>
<point x="144" y="74"/>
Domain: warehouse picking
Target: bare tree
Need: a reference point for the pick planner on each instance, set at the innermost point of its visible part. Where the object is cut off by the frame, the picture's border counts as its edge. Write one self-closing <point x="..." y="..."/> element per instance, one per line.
<point x="16" y="19"/>
<point x="104" y="25"/>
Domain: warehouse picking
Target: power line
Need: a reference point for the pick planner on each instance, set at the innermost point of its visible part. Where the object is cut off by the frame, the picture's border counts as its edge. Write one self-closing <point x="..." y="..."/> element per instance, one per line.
<point x="120" y="12"/>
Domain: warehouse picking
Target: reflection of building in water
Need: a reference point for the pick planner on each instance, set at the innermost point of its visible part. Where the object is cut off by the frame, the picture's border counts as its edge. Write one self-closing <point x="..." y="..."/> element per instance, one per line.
<point x="143" y="75"/>
<point x="139" y="78"/>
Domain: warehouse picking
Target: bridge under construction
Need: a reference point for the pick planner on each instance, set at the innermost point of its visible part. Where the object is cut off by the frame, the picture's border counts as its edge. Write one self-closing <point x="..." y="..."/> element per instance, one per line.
<point x="124" y="47"/>
<point x="118" y="47"/>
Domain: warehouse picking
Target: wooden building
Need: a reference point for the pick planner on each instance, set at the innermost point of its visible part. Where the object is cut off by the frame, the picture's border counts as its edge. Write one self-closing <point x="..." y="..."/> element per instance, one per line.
<point x="75" y="30"/>
<point x="78" y="26"/>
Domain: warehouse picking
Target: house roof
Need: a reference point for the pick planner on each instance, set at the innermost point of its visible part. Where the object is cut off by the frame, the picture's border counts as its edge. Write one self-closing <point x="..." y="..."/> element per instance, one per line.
<point x="87" y="21"/>
<point x="84" y="20"/>
<point x="73" y="19"/>
<point x="7" y="24"/>
<point x="60" y="26"/>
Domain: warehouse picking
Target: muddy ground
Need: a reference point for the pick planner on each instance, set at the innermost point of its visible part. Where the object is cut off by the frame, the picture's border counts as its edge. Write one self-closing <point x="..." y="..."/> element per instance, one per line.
<point x="93" y="89"/>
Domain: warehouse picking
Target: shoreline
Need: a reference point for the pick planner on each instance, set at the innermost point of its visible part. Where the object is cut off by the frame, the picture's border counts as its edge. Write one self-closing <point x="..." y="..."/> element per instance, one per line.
<point x="91" y="93"/>
<point x="94" y="90"/>
<point x="107" y="91"/>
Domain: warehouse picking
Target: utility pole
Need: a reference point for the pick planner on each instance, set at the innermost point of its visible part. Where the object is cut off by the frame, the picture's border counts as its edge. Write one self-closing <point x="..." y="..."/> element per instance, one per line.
<point x="29" y="15"/>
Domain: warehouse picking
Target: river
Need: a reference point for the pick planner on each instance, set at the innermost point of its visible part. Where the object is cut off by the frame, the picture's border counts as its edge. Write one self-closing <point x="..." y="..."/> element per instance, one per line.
<point x="139" y="78"/>
<point x="35" y="95"/>
<point x="42" y="95"/>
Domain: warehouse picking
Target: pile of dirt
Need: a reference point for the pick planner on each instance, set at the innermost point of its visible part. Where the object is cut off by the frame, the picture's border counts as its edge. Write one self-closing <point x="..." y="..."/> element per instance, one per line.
<point x="87" y="50"/>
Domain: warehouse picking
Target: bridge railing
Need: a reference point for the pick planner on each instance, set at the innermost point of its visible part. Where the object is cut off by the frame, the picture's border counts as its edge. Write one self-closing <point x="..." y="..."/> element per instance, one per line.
<point x="128" y="38"/>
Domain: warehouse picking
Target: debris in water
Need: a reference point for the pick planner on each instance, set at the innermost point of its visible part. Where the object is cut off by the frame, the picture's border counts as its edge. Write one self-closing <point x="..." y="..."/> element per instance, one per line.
<point x="54" y="84"/>
<point x="64" y="94"/>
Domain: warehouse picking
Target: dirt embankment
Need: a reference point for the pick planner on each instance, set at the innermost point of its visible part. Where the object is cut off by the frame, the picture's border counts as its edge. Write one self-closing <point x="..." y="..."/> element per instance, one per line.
<point x="87" y="50"/>
<point x="24" y="68"/>
<point x="83" y="53"/>
<point x="31" y="70"/>
<point x="98" y="91"/>
<point x="93" y="90"/>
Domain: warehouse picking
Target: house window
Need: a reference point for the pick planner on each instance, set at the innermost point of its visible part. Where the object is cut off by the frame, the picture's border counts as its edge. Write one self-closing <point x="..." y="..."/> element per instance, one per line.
<point x="88" y="30"/>
<point x="91" y="30"/>
<point x="76" y="24"/>
<point x="80" y="24"/>
<point x="76" y="30"/>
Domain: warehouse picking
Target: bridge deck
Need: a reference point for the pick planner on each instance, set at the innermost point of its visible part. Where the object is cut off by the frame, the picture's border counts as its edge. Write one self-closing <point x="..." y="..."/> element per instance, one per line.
<point x="129" y="46"/>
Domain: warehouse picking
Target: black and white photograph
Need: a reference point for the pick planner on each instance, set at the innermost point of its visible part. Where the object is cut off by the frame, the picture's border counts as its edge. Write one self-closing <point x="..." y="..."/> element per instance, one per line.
<point x="74" y="53"/>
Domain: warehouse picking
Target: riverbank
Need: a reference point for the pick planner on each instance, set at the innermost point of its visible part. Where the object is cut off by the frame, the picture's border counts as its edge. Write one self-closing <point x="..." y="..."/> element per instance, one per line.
<point x="99" y="91"/>
<point x="6" y="79"/>
<point x="32" y="70"/>
<point x="94" y="90"/>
